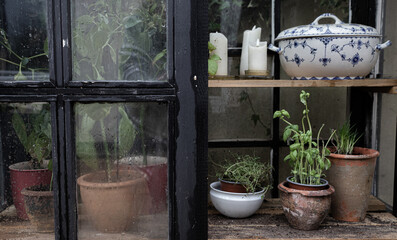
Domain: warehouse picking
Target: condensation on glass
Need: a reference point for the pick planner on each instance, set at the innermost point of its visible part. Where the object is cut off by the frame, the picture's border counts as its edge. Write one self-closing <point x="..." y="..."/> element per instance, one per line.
<point x="122" y="162"/>
<point x="119" y="40"/>
<point x="23" y="40"/>
<point x="26" y="196"/>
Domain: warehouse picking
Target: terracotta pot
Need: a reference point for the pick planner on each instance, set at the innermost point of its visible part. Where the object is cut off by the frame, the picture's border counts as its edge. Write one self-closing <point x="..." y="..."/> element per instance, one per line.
<point x="351" y="175"/>
<point x="157" y="183"/>
<point x="113" y="206"/>
<point x="305" y="210"/>
<point x="39" y="205"/>
<point x="21" y="177"/>
<point x="229" y="186"/>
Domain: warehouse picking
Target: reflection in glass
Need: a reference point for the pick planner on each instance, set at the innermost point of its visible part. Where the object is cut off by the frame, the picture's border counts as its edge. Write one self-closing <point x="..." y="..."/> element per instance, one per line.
<point x="26" y="171"/>
<point x="23" y="40"/>
<point x="121" y="151"/>
<point x="119" y="40"/>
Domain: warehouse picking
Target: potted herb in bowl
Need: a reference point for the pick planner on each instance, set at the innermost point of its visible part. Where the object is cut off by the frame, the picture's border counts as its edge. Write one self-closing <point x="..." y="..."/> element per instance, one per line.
<point x="244" y="172"/>
<point x="305" y="196"/>
<point x="34" y="133"/>
<point x="351" y="174"/>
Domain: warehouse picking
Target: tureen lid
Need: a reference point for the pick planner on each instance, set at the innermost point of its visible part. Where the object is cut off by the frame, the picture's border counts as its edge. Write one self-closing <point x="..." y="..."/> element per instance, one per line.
<point x="339" y="28"/>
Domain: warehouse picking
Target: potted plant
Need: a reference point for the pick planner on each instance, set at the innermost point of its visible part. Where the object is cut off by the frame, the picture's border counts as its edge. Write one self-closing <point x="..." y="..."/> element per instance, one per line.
<point x="112" y="197"/>
<point x="305" y="196"/>
<point x="34" y="133"/>
<point x="351" y="174"/>
<point x="242" y="186"/>
<point x="34" y="67"/>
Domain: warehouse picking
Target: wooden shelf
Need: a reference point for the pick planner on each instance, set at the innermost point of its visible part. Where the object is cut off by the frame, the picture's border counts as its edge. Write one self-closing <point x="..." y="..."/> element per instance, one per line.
<point x="270" y="223"/>
<point x="388" y="84"/>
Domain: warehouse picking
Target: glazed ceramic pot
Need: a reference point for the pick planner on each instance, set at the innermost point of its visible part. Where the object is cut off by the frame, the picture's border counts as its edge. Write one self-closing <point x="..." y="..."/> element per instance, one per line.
<point x="235" y="205"/>
<point x="329" y="51"/>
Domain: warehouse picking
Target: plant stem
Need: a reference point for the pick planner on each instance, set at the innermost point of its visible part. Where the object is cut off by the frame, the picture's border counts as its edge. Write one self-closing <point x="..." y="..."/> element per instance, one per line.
<point x="38" y="55"/>
<point x="8" y="61"/>
<point x="141" y="130"/>
<point x="105" y="144"/>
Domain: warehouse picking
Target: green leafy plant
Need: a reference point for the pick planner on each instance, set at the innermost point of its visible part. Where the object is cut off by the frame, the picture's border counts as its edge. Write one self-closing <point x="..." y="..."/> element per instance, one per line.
<point x="346" y="137"/>
<point x="212" y="60"/>
<point x="35" y="135"/>
<point x="120" y="40"/>
<point x="248" y="170"/>
<point x="114" y="145"/>
<point x="22" y="62"/>
<point x="307" y="159"/>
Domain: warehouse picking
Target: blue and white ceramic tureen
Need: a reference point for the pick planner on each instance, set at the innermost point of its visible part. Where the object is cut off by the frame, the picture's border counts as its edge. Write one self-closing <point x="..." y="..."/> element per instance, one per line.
<point x="329" y="51"/>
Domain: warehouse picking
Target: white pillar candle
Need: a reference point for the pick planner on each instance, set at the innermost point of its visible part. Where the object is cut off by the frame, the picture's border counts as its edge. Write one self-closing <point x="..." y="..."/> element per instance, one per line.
<point x="257" y="56"/>
<point x="220" y="42"/>
<point x="250" y="36"/>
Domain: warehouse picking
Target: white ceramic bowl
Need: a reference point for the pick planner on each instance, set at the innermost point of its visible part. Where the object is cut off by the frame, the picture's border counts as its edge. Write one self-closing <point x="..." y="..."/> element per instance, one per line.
<point x="235" y="205"/>
<point x="329" y="51"/>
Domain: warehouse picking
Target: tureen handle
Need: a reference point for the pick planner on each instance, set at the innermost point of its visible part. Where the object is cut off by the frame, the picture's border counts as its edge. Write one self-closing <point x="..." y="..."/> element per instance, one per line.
<point x="326" y="15"/>
<point x="275" y="49"/>
<point x="383" y="45"/>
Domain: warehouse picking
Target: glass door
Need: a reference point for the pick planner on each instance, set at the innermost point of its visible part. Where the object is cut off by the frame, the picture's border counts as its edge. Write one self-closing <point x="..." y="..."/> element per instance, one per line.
<point x="115" y="93"/>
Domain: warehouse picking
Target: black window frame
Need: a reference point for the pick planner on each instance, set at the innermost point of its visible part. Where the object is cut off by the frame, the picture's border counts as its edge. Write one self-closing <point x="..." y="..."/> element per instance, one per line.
<point x="185" y="92"/>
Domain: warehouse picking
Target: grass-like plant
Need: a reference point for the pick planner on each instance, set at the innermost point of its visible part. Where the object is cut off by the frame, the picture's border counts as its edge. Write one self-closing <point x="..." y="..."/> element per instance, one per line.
<point x="248" y="170"/>
<point x="307" y="159"/>
<point x="346" y="137"/>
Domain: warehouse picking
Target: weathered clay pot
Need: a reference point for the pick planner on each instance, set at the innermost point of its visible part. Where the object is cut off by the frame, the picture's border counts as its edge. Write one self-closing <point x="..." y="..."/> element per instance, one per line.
<point x="22" y="176"/>
<point x="39" y="205"/>
<point x="351" y="175"/>
<point x="305" y="210"/>
<point x="112" y="206"/>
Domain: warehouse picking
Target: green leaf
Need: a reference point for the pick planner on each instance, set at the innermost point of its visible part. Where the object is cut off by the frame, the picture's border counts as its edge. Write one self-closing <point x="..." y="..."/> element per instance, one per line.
<point x="20" y="129"/>
<point x="215" y="57"/>
<point x="212" y="67"/>
<point x="85" y="143"/>
<point x="211" y="47"/>
<point x="127" y="132"/>
<point x="285" y="113"/>
<point x="294" y="146"/>
<point x="286" y="134"/>
<point x="159" y="56"/>
<point x="277" y="114"/>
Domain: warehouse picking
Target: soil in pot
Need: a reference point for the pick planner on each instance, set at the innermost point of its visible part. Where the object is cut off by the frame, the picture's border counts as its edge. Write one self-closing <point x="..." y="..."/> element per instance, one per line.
<point x="307" y="187"/>
<point x="351" y="175"/>
<point x="305" y="210"/>
<point x="22" y="176"/>
<point x="39" y="205"/>
<point x="112" y="206"/>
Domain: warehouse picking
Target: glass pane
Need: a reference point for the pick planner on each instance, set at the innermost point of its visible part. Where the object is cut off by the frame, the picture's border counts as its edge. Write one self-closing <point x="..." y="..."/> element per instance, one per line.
<point x="119" y="40"/>
<point x="26" y="197"/>
<point x="239" y="113"/>
<point x="121" y="151"/>
<point x="388" y="124"/>
<point x="231" y="18"/>
<point x="23" y="40"/>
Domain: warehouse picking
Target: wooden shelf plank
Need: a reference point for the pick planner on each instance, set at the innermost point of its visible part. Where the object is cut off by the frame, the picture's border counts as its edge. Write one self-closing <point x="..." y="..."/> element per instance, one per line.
<point x="303" y="83"/>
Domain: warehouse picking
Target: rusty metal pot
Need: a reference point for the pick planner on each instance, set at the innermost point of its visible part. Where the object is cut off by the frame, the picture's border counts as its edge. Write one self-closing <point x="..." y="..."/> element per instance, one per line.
<point x="305" y="210"/>
<point x="351" y="175"/>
